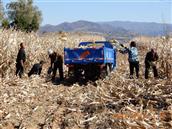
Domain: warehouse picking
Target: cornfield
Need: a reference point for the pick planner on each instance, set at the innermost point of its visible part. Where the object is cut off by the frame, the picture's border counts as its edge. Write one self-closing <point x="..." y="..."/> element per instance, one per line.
<point x="163" y="46"/>
<point x="36" y="47"/>
<point x="115" y="102"/>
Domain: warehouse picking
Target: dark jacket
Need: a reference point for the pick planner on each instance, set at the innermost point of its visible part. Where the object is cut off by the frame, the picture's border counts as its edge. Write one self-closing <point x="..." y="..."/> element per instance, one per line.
<point x="151" y="57"/>
<point x="56" y="60"/>
<point x="53" y="58"/>
<point x="21" y="55"/>
<point x="59" y="60"/>
<point x="36" y="69"/>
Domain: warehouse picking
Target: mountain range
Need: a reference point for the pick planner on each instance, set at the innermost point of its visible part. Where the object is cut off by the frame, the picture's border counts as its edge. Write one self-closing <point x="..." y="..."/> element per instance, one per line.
<point x="111" y="28"/>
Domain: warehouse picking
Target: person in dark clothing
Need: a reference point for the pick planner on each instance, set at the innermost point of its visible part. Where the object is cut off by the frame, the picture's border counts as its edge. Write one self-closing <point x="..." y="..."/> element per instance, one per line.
<point x="133" y="59"/>
<point x="134" y="65"/>
<point x="150" y="59"/>
<point x="21" y="58"/>
<point x="56" y="63"/>
<point x="36" y="69"/>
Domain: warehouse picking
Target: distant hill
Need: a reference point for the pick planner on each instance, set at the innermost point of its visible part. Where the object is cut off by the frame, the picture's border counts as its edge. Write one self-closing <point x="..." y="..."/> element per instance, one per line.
<point x="142" y="28"/>
<point x="115" y="29"/>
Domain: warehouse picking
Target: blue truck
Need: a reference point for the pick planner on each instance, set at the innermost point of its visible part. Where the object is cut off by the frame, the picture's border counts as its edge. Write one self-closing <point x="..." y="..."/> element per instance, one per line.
<point x="90" y="60"/>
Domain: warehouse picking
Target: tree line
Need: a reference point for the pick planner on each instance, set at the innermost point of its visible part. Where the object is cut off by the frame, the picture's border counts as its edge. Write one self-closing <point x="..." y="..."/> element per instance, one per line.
<point x="20" y="15"/>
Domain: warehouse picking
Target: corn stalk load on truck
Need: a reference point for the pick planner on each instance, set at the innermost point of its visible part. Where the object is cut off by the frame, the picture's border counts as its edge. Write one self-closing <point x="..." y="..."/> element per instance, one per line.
<point x="90" y="60"/>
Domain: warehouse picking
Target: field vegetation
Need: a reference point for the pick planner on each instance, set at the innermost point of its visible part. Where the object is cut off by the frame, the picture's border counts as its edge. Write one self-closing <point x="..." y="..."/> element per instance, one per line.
<point x="115" y="102"/>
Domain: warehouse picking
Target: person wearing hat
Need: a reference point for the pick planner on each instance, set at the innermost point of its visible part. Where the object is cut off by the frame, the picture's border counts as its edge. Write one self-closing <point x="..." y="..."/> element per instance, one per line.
<point x="56" y="63"/>
<point x="52" y="56"/>
<point x="21" y="58"/>
<point x="36" y="69"/>
<point x="150" y="59"/>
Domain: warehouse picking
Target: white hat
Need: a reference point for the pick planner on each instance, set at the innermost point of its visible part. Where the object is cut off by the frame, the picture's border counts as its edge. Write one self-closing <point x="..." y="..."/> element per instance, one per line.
<point x="50" y="51"/>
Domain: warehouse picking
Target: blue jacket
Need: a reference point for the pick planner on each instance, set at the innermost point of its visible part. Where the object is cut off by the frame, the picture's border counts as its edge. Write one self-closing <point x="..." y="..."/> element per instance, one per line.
<point x="132" y="54"/>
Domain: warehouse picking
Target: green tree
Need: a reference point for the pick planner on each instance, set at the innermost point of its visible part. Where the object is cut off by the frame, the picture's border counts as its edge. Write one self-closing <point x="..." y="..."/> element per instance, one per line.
<point x="5" y="24"/>
<point x="1" y="11"/>
<point x="24" y="15"/>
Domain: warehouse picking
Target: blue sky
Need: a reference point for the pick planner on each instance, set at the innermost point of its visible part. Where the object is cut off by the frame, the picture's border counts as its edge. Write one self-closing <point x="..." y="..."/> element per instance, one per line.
<point x="58" y="11"/>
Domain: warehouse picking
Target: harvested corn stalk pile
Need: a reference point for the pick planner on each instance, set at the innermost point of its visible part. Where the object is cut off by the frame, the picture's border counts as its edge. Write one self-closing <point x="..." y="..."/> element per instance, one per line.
<point x="115" y="102"/>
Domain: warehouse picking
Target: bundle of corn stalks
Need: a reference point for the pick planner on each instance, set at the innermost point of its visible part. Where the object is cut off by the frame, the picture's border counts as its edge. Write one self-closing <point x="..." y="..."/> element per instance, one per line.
<point x="114" y="102"/>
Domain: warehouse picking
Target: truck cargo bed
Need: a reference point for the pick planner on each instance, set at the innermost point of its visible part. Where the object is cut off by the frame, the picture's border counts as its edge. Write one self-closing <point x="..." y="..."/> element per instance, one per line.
<point x="88" y="55"/>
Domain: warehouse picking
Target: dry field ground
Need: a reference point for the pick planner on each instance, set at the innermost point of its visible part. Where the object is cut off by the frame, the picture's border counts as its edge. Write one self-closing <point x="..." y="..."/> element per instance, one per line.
<point x="116" y="102"/>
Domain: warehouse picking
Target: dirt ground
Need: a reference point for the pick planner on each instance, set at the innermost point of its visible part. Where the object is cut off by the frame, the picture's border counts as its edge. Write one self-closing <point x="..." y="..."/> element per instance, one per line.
<point x="115" y="102"/>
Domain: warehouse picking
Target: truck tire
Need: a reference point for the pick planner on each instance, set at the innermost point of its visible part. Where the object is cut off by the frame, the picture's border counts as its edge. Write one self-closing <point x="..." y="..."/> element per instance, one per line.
<point x="106" y="71"/>
<point x="71" y="72"/>
<point x="103" y="72"/>
<point x="78" y="72"/>
<point x="91" y="72"/>
<point x="108" y="67"/>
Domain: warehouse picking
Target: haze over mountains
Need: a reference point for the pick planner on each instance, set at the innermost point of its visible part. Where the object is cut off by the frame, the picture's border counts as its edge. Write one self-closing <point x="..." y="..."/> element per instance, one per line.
<point x="113" y="28"/>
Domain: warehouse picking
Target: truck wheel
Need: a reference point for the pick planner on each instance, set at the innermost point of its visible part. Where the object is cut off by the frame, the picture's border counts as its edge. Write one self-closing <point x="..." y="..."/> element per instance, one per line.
<point x="78" y="73"/>
<point x="91" y="72"/>
<point x="71" y="72"/>
<point x="103" y="72"/>
<point x="108" y="67"/>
